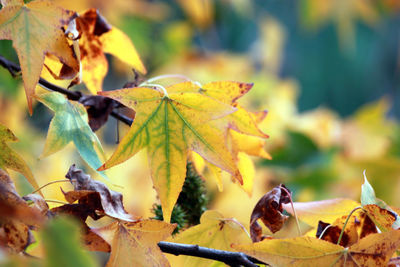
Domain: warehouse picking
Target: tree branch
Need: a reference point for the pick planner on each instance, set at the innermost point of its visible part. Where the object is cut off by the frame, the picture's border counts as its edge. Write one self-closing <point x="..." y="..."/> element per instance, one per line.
<point x="72" y="95"/>
<point x="227" y="257"/>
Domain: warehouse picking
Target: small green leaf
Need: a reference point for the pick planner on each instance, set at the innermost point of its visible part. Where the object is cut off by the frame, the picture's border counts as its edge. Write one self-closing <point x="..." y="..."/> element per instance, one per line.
<point x="61" y="239"/>
<point x="367" y="193"/>
<point x="70" y="123"/>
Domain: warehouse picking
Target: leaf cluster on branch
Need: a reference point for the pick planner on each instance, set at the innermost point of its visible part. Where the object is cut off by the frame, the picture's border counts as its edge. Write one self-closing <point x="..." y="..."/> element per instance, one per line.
<point x="185" y="127"/>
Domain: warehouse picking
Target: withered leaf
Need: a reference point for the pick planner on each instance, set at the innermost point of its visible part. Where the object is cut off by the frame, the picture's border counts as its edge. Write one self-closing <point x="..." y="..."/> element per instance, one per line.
<point x="98" y="109"/>
<point x="13" y="207"/>
<point x="96" y="38"/>
<point x="269" y="210"/>
<point x="15" y="217"/>
<point x="95" y="195"/>
<point x="331" y="232"/>
<point x="38" y="201"/>
<point x="81" y="211"/>
<point x="15" y="236"/>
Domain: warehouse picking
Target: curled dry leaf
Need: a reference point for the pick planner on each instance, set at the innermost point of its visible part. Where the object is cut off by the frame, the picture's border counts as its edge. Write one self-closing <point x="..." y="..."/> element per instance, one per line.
<point x="269" y="210"/>
<point x="95" y="194"/>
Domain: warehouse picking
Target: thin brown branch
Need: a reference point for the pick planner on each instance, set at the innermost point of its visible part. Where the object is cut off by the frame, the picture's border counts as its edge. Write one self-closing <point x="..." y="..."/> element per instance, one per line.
<point x="72" y="95"/>
<point x="228" y="257"/>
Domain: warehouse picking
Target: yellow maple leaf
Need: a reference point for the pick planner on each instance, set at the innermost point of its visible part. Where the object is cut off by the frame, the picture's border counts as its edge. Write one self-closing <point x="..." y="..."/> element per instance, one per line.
<point x="35" y="29"/>
<point x="169" y="124"/>
<point x="135" y="243"/>
<point x="214" y="231"/>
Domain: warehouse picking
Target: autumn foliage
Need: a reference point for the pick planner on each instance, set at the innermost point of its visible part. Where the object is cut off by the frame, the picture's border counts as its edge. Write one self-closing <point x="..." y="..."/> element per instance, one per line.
<point x="190" y="131"/>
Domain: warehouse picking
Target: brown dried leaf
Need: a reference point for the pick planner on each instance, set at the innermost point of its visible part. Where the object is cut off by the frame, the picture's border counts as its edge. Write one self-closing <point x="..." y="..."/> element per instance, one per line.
<point x="13" y="207"/>
<point x="98" y="109"/>
<point x="38" y="201"/>
<point x="15" y="236"/>
<point x="269" y="210"/>
<point x="95" y="195"/>
<point x="331" y="232"/>
<point x="367" y="226"/>
<point x="92" y="241"/>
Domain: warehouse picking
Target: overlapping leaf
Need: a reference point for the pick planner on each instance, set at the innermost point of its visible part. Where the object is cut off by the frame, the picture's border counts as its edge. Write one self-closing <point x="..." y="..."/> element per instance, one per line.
<point x="11" y="160"/>
<point x="373" y="250"/>
<point x="96" y="38"/>
<point x="214" y="231"/>
<point x="70" y="124"/>
<point x="135" y="243"/>
<point x="169" y="126"/>
<point x="240" y="127"/>
<point x="325" y="210"/>
<point x="35" y="29"/>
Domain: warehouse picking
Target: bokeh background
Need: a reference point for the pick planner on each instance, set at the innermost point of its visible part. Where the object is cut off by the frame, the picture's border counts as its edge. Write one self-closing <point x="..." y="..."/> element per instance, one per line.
<point x="326" y="70"/>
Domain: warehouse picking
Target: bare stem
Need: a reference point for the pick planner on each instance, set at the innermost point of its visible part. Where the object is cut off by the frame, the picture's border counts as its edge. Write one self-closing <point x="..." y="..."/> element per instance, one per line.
<point x="345" y="223"/>
<point x="294" y="211"/>
<point x="53" y="182"/>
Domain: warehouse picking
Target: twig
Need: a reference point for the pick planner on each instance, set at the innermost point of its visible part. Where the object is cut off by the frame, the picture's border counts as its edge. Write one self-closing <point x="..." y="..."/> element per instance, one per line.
<point x="72" y="95"/>
<point x="227" y="257"/>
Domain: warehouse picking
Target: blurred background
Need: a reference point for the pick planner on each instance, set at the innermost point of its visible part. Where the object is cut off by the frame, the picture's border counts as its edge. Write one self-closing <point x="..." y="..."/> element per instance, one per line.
<point x="327" y="71"/>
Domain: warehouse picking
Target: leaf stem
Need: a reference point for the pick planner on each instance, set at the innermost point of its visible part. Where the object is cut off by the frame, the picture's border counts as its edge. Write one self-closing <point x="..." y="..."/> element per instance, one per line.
<point x="294" y="211"/>
<point x="53" y="182"/>
<point x="56" y="201"/>
<point x="345" y="223"/>
<point x="165" y="76"/>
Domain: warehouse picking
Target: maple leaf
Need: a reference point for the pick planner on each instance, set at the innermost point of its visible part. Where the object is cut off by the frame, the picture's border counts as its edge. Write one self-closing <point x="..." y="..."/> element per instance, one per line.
<point x="35" y="29"/>
<point x="135" y="243"/>
<point x="70" y="123"/>
<point x="240" y="127"/>
<point x="325" y="210"/>
<point x="214" y="231"/>
<point x="373" y="250"/>
<point x="169" y="126"/>
<point x="11" y="160"/>
<point x="96" y="38"/>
